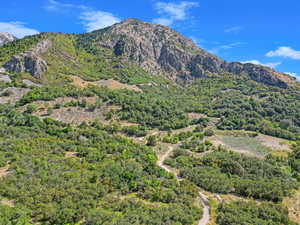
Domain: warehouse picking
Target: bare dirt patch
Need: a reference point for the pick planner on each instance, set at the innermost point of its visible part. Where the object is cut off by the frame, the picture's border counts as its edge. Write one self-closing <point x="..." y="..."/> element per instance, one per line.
<point x="43" y="105"/>
<point x="273" y="142"/>
<point x="76" y="115"/>
<point x="110" y="83"/>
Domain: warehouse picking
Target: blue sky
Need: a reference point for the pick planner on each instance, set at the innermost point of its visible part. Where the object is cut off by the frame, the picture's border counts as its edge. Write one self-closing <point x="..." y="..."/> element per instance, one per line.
<point x="259" y="31"/>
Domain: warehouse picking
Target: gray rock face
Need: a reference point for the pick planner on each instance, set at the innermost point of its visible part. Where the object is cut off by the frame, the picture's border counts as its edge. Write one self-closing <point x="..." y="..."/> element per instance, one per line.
<point x="161" y="50"/>
<point x="5" y="78"/>
<point x="2" y="70"/>
<point x="6" y="37"/>
<point x="258" y="73"/>
<point x="29" y="83"/>
<point x="30" y="61"/>
<point x="156" y="48"/>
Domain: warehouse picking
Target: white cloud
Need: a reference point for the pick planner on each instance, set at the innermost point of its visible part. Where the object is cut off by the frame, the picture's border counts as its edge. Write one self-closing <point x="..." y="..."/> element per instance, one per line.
<point x="270" y="64"/>
<point x="233" y="29"/>
<point x="217" y="49"/>
<point x="17" y="29"/>
<point x="286" y="52"/>
<point x="172" y="12"/>
<point x="56" y="6"/>
<point x="93" y="20"/>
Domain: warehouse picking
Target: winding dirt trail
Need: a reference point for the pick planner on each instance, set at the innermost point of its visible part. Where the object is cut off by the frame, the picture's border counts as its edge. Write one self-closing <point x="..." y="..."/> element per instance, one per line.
<point x="161" y="160"/>
<point x="205" y="203"/>
<point x="206" y="210"/>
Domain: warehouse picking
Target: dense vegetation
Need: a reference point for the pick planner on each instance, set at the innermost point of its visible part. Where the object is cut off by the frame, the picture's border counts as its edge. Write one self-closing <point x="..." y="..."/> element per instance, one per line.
<point x="92" y="187"/>
<point x="245" y="104"/>
<point x="294" y="160"/>
<point x="227" y="172"/>
<point x="251" y="213"/>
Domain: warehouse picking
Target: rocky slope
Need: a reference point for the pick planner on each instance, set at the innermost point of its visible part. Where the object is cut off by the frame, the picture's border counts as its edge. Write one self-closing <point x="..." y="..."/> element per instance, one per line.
<point x="5" y="38"/>
<point x="30" y="61"/>
<point x="159" y="49"/>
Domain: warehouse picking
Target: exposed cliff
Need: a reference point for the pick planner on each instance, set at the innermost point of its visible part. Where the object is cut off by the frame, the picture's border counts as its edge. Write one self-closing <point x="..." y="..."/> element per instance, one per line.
<point x="30" y="61"/>
<point x="6" y="37"/>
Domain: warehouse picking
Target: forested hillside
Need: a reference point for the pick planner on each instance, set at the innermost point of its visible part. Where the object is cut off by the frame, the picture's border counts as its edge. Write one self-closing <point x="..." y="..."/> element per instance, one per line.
<point x="96" y="129"/>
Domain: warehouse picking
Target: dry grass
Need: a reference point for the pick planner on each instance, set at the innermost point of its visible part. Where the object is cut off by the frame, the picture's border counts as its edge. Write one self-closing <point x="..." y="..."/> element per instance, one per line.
<point x="6" y="202"/>
<point x="244" y="142"/>
<point x="111" y="84"/>
<point x="4" y="171"/>
<point x="273" y="142"/>
<point x="115" y="85"/>
<point x="193" y="116"/>
<point x="79" y="82"/>
<point x="127" y="124"/>
<point x="71" y="154"/>
<point x="293" y="205"/>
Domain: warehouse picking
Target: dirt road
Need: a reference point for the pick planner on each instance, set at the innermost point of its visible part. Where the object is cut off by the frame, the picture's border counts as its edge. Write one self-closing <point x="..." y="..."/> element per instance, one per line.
<point x="205" y="203"/>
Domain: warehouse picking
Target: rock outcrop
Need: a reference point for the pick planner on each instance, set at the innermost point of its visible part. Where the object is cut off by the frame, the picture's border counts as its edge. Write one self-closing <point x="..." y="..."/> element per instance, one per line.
<point x="160" y="50"/>
<point x="30" y="61"/>
<point x="258" y="73"/>
<point x="6" y="37"/>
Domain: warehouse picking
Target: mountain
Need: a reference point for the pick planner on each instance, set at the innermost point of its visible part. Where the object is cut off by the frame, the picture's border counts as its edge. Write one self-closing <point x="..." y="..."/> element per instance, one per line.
<point x="155" y="48"/>
<point x="135" y="124"/>
<point x="6" y="37"/>
<point x="159" y="49"/>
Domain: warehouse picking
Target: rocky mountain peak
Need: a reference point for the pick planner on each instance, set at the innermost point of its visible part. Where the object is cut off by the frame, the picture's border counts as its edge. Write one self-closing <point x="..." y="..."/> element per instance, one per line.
<point x="157" y="49"/>
<point x="6" y="37"/>
<point x="161" y="50"/>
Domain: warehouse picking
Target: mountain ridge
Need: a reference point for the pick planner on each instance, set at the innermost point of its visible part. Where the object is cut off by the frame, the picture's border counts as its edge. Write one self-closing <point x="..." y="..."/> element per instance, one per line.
<point x="157" y="49"/>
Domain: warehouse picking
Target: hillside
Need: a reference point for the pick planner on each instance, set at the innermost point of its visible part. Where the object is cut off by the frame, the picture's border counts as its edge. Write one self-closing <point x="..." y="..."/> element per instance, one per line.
<point x="134" y="124"/>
